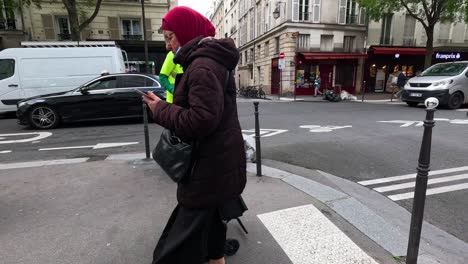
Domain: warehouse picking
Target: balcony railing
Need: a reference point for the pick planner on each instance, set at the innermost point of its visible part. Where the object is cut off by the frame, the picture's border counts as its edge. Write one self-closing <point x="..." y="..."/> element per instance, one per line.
<point x="132" y="37"/>
<point x="352" y="19"/>
<point x="8" y="24"/>
<point x="64" y="36"/>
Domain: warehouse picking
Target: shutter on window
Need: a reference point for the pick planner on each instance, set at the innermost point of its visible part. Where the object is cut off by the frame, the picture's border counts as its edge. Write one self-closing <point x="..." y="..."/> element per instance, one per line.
<point x="342" y="12"/>
<point x="149" y="30"/>
<point x="114" y="32"/>
<point x="295" y="10"/>
<point x="48" y="23"/>
<point x="316" y="11"/>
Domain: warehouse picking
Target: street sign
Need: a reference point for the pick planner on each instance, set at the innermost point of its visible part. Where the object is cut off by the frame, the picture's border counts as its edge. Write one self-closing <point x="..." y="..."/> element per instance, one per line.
<point x="281" y="56"/>
<point x="281" y="63"/>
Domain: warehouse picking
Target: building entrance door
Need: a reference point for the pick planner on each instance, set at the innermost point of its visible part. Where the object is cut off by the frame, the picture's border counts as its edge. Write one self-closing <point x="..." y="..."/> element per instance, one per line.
<point x="326" y="74"/>
<point x="275" y="77"/>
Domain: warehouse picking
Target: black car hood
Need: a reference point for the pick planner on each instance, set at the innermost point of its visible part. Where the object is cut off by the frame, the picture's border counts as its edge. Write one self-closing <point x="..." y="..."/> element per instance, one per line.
<point x="47" y="95"/>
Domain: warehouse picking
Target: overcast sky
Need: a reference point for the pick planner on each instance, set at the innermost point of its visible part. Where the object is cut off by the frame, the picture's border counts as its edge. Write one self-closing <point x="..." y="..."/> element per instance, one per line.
<point x="202" y="6"/>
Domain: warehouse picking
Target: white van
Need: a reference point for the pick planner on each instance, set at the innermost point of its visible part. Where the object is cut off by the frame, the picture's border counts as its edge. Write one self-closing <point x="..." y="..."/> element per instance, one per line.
<point x="27" y="72"/>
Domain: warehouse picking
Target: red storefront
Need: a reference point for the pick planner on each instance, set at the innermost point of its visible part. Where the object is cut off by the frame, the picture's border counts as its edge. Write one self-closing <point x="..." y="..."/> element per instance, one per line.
<point x="337" y="70"/>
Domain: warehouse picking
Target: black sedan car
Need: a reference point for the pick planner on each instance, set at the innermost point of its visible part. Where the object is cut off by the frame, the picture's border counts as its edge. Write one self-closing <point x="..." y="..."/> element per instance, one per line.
<point x="110" y="96"/>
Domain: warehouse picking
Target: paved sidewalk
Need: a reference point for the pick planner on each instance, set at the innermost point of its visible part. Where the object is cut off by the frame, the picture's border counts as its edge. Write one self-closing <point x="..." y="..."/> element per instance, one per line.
<point x="113" y="211"/>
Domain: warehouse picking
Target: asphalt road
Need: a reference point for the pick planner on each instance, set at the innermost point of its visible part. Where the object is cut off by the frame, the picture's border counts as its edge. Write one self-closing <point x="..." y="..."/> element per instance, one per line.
<point x="345" y="139"/>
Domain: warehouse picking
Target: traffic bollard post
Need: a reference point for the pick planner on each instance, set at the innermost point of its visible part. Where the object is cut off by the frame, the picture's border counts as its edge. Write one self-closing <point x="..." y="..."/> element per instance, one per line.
<point x="258" y="150"/>
<point x="421" y="183"/>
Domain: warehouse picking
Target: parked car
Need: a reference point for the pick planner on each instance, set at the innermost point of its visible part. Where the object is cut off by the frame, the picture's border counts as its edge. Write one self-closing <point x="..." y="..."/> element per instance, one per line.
<point x="27" y="72"/>
<point x="107" y="97"/>
<point x="448" y="82"/>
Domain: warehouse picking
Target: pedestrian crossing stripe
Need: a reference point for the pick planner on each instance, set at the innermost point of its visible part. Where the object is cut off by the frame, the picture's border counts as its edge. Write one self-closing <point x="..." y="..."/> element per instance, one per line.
<point x="389" y="185"/>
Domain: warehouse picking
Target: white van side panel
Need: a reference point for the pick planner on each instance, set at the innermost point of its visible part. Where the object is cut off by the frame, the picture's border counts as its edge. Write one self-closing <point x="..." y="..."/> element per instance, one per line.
<point x="59" y="74"/>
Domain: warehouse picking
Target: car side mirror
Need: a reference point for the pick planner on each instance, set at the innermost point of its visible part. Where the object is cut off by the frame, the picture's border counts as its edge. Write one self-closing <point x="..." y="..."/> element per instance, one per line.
<point x="84" y="90"/>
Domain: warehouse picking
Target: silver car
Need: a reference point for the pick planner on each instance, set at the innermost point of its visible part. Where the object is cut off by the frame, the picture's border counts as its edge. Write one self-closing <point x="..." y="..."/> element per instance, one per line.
<point x="448" y="82"/>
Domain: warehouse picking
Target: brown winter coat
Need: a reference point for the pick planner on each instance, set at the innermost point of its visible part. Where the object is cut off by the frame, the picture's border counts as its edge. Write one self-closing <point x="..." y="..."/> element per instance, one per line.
<point x="203" y="112"/>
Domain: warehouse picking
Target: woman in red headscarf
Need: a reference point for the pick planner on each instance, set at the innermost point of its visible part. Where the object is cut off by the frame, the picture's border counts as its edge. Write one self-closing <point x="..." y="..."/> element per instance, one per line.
<point x="204" y="112"/>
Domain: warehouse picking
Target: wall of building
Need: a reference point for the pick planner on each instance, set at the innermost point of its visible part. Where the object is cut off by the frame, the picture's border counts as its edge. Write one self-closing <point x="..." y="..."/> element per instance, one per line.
<point x="101" y="27"/>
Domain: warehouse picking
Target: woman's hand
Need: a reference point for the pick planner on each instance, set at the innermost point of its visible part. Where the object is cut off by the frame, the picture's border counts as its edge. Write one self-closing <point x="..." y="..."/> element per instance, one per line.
<point x="151" y="100"/>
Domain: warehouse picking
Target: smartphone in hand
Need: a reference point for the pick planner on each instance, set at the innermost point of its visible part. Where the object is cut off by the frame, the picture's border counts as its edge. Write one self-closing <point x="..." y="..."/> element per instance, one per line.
<point x="140" y="92"/>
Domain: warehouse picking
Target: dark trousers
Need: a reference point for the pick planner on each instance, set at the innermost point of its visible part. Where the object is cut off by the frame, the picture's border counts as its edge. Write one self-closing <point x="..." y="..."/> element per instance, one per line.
<point x="191" y="236"/>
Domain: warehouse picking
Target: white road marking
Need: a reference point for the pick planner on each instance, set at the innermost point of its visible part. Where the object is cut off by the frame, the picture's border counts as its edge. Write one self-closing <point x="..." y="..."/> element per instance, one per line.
<point x="30" y="164"/>
<point x="5" y="151"/>
<point x="308" y="237"/>
<point x="410" y="176"/>
<point x="321" y="129"/>
<point x="40" y="135"/>
<point x="97" y="146"/>
<point x="462" y="110"/>
<point x="445" y="189"/>
<point x="405" y="123"/>
<point x="412" y="184"/>
<point x="264" y="132"/>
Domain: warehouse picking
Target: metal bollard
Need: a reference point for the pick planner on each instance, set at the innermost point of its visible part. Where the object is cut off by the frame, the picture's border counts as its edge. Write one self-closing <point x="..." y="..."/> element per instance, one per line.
<point x="421" y="183"/>
<point x="145" y="122"/>
<point x="363" y="91"/>
<point x="258" y="150"/>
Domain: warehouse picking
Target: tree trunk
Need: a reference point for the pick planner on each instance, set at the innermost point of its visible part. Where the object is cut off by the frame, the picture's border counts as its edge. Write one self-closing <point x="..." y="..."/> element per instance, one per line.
<point x="429" y="46"/>
<point x="73" y="18"/>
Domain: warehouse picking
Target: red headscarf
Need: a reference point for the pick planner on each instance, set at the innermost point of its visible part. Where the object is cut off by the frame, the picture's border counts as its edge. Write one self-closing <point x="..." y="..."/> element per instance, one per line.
<point x="187" y="24"/>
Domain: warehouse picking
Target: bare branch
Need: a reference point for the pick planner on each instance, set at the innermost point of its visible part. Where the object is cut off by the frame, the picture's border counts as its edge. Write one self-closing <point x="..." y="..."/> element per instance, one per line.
<point x="91" y="18"/>
<point x="410" y="12"/>
<point x="426" y="9"/>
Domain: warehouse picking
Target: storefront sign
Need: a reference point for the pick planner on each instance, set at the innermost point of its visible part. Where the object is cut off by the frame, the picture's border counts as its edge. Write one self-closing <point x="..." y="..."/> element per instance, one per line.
<point x="447" y="56"/>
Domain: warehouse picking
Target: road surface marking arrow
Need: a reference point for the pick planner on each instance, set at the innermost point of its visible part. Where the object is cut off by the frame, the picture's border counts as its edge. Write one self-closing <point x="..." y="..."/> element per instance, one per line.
<point x="97" y="146"/>
<point x="40" y="135"/>
<point x="264" y="132"/>
<point x="405" y="123"/>
<point x="322" y="129"/>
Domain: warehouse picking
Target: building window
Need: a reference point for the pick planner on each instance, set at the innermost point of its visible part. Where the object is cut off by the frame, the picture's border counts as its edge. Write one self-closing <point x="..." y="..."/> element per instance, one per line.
<point x="63" y="25"/>
<point x="408" y="35"/>
<point x="466" y="34"/>
<point x="277" y="45"/>
<point x="348" y="43"/>
<point x="326" y="42"/>
<point x="240" y="58"/>
<point x="252" y="25"/>
<point x="259" y="74"/>
<point x="303" y="41"/>
<point x="267" y="49"/>
<point x="7" y="16"/>
<point x="252" y="55"/>
<point x="350" y="13"/>
<point x="304" y="12"/>
<point x="259" y="22"/>
<point x="259" y="49"/>
<point x="444" y="32"/>
<point x="266" y="18"/>
<point x="131" y="29"/>
<point x="385" y="36"/>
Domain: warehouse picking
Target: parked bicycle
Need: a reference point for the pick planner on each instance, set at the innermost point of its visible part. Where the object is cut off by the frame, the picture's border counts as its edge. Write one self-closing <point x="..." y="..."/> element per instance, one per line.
<point x="251" y="92"/>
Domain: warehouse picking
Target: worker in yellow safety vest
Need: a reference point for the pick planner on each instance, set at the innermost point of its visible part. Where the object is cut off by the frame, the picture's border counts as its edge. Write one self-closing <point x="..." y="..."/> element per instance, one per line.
<point x="169" y="71"/>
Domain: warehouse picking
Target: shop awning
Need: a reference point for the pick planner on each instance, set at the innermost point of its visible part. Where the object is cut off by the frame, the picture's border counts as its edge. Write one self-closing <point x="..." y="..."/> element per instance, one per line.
<point x="332" y="56"/>
<point x="406" y="51"/>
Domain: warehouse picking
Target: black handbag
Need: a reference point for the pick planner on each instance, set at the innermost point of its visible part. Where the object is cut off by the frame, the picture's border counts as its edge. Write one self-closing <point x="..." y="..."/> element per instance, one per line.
<point x="173" y="155"/>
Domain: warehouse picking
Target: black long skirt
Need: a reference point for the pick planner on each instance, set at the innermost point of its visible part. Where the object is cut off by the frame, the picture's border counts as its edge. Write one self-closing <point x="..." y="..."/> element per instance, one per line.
<point x="191" y="236"/>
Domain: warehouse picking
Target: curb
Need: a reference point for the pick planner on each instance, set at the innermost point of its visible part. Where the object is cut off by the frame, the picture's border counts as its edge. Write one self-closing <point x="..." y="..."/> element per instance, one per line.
<point x="376" y="216"/>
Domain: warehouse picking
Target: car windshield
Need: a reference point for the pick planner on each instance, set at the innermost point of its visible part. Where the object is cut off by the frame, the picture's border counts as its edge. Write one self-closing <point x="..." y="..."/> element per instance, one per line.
<point x="450" y="69"/>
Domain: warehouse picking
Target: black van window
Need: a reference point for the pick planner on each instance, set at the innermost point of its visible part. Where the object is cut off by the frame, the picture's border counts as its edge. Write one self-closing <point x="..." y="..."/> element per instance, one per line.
<point x="7" y="68"/>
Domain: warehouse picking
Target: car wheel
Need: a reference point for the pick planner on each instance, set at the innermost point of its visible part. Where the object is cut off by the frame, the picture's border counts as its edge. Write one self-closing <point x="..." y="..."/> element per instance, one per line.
<point x="455" y="100"/>
<point x="412" y="104"/>
<point x="43" y="117"/>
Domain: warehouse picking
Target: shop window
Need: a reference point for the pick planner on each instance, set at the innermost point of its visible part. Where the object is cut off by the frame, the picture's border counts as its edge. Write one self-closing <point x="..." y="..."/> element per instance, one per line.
<point x="326" y="42"/>
<point x="344" y="75"/>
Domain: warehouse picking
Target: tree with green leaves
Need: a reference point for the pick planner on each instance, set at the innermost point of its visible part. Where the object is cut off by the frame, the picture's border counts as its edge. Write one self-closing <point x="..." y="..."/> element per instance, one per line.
<point x="77" y="13"/>
<point x="426" y="12"/>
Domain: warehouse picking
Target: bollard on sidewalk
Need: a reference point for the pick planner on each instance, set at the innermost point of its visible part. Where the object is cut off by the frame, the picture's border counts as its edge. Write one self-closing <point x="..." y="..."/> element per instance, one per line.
<point x="421" y="183"/>
<point x="145" y="122"/>
<point x="257" y="142"/>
